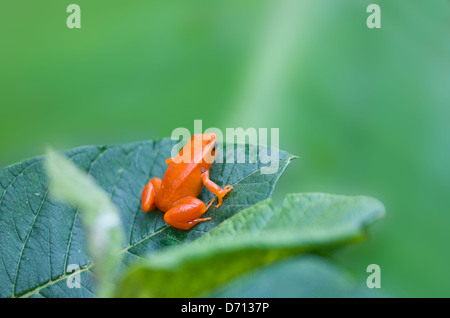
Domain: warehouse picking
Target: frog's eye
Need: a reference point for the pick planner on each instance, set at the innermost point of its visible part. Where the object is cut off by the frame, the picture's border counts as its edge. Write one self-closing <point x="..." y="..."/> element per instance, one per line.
<point x="213" y="150"/>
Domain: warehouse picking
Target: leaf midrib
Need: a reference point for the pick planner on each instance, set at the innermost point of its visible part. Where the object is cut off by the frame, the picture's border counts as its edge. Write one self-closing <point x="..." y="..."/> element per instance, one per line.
<point x="85" y="268"/>
<point x="38" y="288"/>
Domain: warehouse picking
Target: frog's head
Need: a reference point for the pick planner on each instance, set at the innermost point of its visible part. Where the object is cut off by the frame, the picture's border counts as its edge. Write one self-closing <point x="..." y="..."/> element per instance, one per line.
<point x="204" y="148"/>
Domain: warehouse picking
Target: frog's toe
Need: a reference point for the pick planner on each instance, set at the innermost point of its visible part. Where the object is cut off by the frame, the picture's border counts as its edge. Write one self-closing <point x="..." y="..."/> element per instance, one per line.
<point x="228" y="188"/>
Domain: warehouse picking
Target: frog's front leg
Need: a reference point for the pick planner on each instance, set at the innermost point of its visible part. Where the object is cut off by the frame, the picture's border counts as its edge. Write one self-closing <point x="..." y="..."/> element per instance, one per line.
<point x="214" y="188"/>
<point x="149" y="194"/>
<point x="186" y="213"/>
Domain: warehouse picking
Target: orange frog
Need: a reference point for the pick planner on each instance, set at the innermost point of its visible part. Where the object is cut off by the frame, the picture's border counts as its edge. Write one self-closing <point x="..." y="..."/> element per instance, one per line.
<point x="176" y="194"/>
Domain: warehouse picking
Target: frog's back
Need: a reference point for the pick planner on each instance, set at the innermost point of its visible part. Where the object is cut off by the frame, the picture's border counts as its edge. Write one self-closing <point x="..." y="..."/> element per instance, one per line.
<point x="180" y="180"/>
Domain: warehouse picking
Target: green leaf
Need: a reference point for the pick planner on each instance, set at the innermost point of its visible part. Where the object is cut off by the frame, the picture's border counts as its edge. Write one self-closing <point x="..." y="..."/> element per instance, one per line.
<point x="254" y="237"/>
<point x="100" y="217"/>
<point x="40" y="237"/>
<point x="305" y="276"/>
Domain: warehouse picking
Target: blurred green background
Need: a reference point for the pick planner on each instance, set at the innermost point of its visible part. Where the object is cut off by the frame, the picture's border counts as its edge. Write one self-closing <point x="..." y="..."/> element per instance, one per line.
<point x="367" y="110"/>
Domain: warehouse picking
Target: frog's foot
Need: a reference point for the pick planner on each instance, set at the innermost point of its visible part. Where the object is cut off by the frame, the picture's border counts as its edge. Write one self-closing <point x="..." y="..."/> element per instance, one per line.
<point x="221" y="194"/>
<point x="186" y="213"/>
<point x="149" y="194"/>
<point x="214" y="188"/>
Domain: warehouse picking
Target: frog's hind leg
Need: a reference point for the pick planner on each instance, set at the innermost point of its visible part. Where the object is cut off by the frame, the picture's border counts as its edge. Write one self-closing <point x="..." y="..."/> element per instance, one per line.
<point x="186" y="213"/>
<point x="149" y="194"/>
